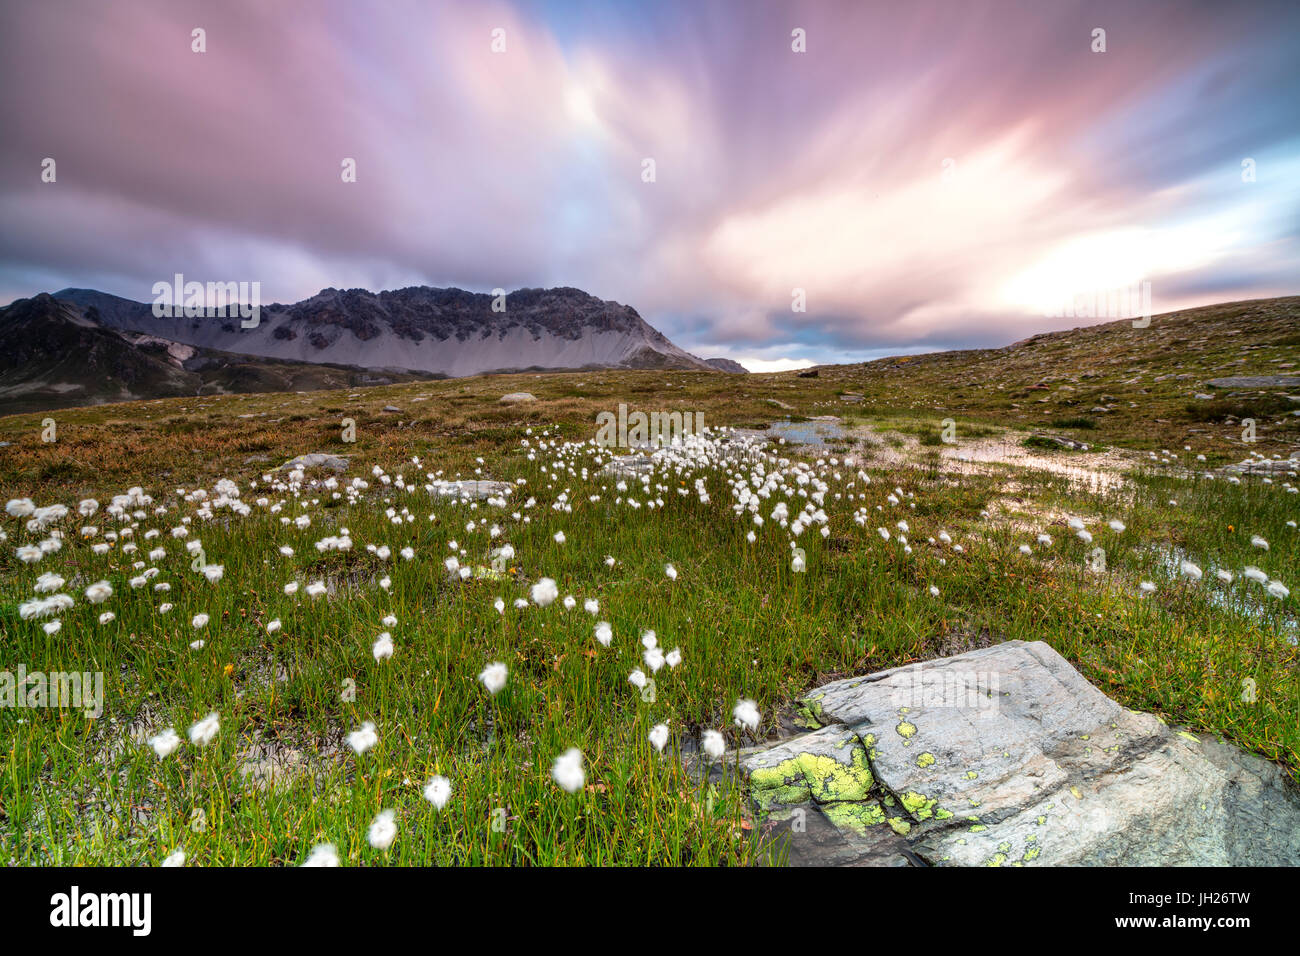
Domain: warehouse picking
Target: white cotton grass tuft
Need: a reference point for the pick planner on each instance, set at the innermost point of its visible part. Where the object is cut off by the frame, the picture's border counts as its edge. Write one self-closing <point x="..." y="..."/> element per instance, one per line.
<point x="494" y="677"/>
<point x="1190" y="570"/>
<point x="1117" y="526"/>
<point x="1278" y="589"/>
<point x="567" y="771"/>
<point x="544" y="592"/>
<point x="383" y="830"/>
<point x="174" y="859"/>
<point x="591" y="606"/>
<point x="1254" y="574"/>
<point x="673" y="657"/>
<point x="1224" y="576"/>
<point x="203" y="732"/>
<point x="322" y="854"/>
<point x="658" y="737"/>
<point x="1257" y="542"/>
<point x="712" y="744"/>
<point x="745" y="714"/>
<point x="604" y="633"/>
<point x="99" y="592"/>
<point x="637" y="678"/>
<point x="670" y="572"/>
<point x="383" y="647"/>
<point x="438" y="791"/>
<point x="363" y="739"/>
<point x="1147" y="587"/>
<point x="165" y="743"/>
<point x="273" y="626"/>
<point x="200" y="620"/>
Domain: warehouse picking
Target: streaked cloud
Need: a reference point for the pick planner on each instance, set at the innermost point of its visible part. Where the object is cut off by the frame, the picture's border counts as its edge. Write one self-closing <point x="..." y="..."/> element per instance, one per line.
<point x="824" y="171"/>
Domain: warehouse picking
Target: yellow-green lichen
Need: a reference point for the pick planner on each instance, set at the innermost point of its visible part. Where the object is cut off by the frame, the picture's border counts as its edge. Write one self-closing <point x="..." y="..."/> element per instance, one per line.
<point x="905" y="729"/>
<point x="925" y="760"/>
<point x="855" y="817"/>
<point x="817" y="776"/>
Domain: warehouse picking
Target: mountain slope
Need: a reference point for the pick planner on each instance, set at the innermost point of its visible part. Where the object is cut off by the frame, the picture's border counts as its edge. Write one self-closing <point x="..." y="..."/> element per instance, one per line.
<point x="435" y="331"/>
<point x="56" y="357"/>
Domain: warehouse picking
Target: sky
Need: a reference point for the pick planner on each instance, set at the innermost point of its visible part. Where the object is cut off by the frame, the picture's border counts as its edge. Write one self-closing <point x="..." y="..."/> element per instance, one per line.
<point x="919" y="176"/>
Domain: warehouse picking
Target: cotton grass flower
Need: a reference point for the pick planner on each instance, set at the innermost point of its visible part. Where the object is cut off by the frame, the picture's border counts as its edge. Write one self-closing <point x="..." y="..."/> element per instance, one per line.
<point x="544" y="592"/>
<point x="1278" y="590"/>
<point x="670" y="572"/>
<point x="1117" y="526"/>
<point x="203" y="732"/>
<point x="273" y="626"/>
<point x="494" y="677"/>
<point x="604" y="633"/>
<point x="383" y="830"/>
<point x="383" y="647"/>
<point x="637" y="678"/>
<point x="322" y="854"/>
<point x="438" y="791"/>
<point x="712" y="744"/>
<point x="567" y="771"/>
<point x="1190" y="570"/>
<point x="199" y="620"/>
<point x="165" y="743"/>
<point x="99" y="592"/>
<point x="363" y="739"/>
<point x="47" y="582"/>
<point x="1257" y="542"/>
<point x="658" y="736"/>
<point x="745" y="714"/>
<point x="175" y="859"/>
<point x="591" y="606"/>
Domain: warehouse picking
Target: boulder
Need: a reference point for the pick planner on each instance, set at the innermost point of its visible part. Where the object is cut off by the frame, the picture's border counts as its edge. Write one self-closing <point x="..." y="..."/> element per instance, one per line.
<point x="1008" y="756"/>
<point x="316" y="460"/>
<point x="515" y="398"/>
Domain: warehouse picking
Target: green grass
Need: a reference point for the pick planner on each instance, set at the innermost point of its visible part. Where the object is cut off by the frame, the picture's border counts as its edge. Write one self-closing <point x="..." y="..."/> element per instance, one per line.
<point x="82" y="791"/>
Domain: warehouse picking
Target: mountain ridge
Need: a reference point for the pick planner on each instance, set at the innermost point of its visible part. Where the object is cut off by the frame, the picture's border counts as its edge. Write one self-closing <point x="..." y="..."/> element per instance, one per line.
<point x="413" y="332"/>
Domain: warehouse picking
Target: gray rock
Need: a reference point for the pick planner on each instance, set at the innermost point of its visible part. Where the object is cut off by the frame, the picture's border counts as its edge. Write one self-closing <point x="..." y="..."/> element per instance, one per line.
<point x="1007" y="755"/>
<point x="514" y="398"/>
<point x="392" y="408"/>
<point x="1271" y="466"/>
<point x="317" y="460"/>
<point x="1255" y="381"/>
